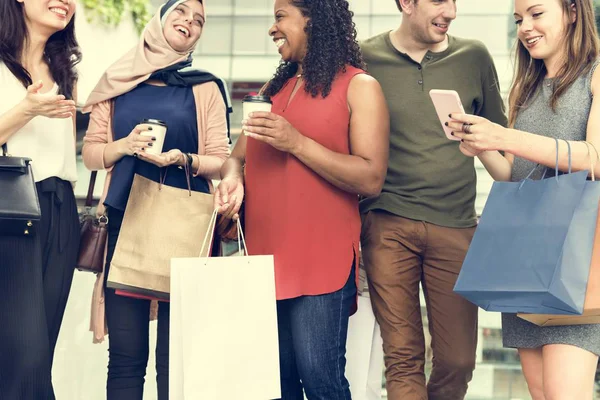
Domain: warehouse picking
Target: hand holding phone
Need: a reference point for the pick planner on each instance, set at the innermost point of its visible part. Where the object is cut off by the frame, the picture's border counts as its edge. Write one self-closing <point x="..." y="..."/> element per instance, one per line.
<point x="446" y="102"/>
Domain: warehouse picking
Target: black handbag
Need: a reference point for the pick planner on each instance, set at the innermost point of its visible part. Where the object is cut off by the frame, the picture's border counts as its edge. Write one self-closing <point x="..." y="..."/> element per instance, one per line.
<point x="20" y="211"/>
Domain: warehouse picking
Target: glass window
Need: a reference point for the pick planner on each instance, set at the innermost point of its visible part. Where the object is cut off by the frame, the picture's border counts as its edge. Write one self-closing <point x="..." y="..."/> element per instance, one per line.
<point x="361" y="7"/>
<point x="496" y="43"/>
<point x="253" y="7"/>
<point x="216" y="37"/>
<point x="221" y="7"/>
<point x="220" y="66"/>
<point x="254" y="68"/>
<point x="251" y="35"/>
<point x="363" y="26"/>
<point x="383" y="23"/>
<point x="385" y="7"/>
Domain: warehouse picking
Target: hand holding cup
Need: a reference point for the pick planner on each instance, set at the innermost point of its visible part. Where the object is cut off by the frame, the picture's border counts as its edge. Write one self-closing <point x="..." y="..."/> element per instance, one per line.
<point x="135" y="143"/>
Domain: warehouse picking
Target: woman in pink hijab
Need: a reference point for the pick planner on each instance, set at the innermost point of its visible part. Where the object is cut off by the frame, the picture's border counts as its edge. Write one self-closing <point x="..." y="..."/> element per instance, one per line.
<point x="152" y="81"/>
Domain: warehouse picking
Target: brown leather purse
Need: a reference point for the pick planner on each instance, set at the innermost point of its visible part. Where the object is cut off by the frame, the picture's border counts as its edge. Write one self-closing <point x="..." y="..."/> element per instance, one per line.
<point x="93" y="235"/>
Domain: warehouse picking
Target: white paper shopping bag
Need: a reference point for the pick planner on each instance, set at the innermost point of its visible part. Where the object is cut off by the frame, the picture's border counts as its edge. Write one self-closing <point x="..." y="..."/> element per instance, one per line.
<point x="224" y="340"/>
<point x="364" y="353"/>
<point x="175" y="340"/>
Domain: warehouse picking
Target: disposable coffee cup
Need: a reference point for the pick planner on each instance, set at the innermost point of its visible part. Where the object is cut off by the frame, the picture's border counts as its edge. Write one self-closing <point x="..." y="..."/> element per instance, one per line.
<point x="159" y="131"/>
<point x="252" y="104"/>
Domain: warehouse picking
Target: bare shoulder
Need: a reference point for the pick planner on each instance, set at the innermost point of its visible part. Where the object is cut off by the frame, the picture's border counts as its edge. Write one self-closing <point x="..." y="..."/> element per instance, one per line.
<point x="595" y="81"/>
<point x="363" y="85"/>
<point x="365" y="93"/>
<point x="363" y="79"/>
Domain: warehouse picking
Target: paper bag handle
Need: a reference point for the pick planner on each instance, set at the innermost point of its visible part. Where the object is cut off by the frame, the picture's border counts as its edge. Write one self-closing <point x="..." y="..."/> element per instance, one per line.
<point x="163" y="177"/>
<point x="555" y="167"/>
<point x="211" y="228"/>
<point x="241" y="239"/>
<point x="209" y="231"/>
<point x="592" y="160"/>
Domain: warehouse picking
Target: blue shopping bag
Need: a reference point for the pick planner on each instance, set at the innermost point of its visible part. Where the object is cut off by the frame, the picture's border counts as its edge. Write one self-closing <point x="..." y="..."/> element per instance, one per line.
<point x="532" y="250"/>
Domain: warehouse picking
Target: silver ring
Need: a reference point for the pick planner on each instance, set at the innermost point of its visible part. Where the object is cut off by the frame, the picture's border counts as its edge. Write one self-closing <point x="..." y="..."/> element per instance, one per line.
<point x="466" y="127"/>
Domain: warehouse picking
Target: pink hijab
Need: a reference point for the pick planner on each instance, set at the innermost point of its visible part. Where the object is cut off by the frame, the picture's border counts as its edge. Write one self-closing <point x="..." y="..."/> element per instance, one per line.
<point x="151" y="54"/>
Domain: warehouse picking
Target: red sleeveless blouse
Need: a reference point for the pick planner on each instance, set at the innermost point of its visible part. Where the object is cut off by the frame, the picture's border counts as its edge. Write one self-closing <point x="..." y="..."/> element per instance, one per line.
<point x="310" y="226"/>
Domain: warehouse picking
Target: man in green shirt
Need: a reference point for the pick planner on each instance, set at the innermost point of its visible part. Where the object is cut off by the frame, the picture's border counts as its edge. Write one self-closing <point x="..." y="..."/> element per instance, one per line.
<point x="418" y="230"/>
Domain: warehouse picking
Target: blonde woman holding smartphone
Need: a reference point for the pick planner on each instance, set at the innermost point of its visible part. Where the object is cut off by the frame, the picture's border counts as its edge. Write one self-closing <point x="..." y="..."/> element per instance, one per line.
<point x="554" y="96"/>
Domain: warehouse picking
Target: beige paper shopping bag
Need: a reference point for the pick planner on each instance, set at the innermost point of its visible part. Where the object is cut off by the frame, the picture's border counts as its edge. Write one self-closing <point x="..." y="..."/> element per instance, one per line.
<point x="223" y="334"/>
<point x="160" y="222"/>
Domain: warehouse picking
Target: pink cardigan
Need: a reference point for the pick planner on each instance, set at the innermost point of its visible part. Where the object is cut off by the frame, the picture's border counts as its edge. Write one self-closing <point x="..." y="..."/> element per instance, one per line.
<point x="213" y="148"/>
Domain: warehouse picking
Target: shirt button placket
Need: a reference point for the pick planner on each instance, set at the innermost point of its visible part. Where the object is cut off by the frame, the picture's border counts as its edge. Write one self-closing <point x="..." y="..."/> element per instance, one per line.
<point x="420" y="68"/>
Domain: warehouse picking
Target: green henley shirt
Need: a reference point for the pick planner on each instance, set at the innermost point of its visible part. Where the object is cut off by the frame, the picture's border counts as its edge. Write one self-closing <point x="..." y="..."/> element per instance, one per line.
<point x="428" y="178"/>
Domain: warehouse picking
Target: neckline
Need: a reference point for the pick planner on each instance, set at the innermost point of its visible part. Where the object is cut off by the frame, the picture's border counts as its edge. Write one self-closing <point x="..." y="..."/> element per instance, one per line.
<point x="153" y="85"/>
<point x="52" y="91"/>
<point x="293" y="95"/>
<point x="429" y="53"/>
<point x="548" y="82"/>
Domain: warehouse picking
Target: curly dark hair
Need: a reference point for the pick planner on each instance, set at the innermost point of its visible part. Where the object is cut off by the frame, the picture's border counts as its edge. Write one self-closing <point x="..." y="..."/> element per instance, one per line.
<point x="331" y="46"/>
<point x="62" y="50"/>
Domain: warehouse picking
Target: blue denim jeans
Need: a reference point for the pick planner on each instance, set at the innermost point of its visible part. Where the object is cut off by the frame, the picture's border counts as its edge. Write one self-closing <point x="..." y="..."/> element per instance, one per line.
<point x="312" y="344"/>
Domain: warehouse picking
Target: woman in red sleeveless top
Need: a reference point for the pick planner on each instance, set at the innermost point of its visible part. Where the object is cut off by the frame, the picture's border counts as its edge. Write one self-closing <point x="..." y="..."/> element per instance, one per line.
<point x="306" y="163"/>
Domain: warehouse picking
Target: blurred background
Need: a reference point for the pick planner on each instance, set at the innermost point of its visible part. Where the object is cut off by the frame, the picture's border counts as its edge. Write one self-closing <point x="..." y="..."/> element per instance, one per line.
<point x="235" y="46"/>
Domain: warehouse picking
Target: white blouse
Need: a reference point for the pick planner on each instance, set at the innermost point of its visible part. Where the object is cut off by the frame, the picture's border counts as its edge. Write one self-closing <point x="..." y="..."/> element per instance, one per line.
<point x="49" y="142"/>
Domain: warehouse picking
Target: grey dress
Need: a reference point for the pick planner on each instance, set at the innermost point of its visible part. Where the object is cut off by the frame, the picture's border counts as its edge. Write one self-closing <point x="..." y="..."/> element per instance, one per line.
<point x="568" y="123"/>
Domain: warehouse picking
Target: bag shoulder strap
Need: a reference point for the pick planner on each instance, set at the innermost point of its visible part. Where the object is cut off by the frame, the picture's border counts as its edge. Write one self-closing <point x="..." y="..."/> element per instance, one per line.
<point x="90" y="192"/>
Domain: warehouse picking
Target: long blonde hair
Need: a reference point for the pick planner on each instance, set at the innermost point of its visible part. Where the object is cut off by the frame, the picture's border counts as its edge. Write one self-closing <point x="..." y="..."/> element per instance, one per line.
<point x="581" y="46"/>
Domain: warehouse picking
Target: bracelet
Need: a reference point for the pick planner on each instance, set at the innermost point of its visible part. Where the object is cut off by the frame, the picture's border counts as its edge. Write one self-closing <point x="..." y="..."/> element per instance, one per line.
<point x="184" y="160"/>
<point x="198" y="157"/>
<point x="190" y="160"/>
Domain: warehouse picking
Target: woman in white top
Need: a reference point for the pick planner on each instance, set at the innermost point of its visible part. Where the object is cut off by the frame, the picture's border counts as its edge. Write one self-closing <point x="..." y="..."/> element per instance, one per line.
<point x="38" y="54"/>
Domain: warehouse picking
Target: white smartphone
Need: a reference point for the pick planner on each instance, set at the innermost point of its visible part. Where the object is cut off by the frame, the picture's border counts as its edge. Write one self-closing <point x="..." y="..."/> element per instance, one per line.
<point x="446" y="102"/>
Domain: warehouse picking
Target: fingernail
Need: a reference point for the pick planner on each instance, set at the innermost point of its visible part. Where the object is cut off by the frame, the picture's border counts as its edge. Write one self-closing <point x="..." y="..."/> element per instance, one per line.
<point x="150" y="144"/>
<point x="452" y="133"/>
<point x="251" y="115"/>
<point x="445" y="123"/>
<point x="244" y="128"/>
<point x="143" y="149"/>
<point x="462" y="140"/>
<point x="149" y="128"/>
<point x="244" y="122"/>
<point x="153" y="138"/>
<point x="449" y="115"/>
